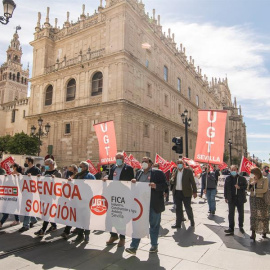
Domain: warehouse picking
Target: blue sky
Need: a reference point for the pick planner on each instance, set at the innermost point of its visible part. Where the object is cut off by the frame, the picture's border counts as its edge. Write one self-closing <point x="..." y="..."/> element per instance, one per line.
<point x="223" y="36"/>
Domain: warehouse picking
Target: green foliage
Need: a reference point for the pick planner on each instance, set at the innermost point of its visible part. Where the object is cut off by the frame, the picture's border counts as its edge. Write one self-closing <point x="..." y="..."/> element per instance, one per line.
<point x="4" y="142"/>
<point x="23" y="144"/>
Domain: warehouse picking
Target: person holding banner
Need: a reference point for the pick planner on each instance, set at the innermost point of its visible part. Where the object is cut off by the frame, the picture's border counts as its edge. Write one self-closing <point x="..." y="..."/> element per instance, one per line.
<point x="119" y="172"/>
<point x="84" y="174"/>
<point x="184" y="187"/>
<point x="259" y="216"/>
<point x="157" y="181"/>
<point x="209" y="185"/>
<point x="235" y="196"/>
<point x="31" y="170"/>
<point x="15" y="170"/>
<point x="50" y="171"/>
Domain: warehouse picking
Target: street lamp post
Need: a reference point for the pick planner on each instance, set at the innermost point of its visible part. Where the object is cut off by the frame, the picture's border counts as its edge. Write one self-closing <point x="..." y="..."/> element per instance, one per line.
<point x="230" y="147"/>
<point x="187" y="122"/>
<point x="9" y="6"/>
<point x="40" y="132"/>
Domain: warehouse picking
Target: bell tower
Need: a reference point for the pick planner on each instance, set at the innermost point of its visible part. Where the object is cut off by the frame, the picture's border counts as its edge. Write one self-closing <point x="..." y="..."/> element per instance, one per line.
<point x="13" y="78"/>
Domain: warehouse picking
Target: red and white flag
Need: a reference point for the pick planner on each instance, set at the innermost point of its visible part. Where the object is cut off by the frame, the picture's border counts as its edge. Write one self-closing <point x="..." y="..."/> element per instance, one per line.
<point x="223" y="166"/>
<point x="194" y="165"/>
<point x="173" y="165"/>
<point x="107" y="142"/>
<point x="6" y="163"/>
<point x="92" y="168"/>
<point x="134" y="162"/>
<point x="163" y="164"/>
<point x="246" y="165"/>
<point x="126" y="159"/>
<point x="211" y="135"/>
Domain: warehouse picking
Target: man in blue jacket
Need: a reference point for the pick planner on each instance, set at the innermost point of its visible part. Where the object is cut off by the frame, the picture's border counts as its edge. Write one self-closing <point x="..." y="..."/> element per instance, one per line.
<point x="157" y="182"/>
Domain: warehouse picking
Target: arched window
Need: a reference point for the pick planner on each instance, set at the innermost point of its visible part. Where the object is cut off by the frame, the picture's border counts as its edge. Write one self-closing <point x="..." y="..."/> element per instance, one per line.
<point x="71" y="90"/>
<point x="18" y="77"/>
<point x="97" y="84"/>
<point x="10" y="75"/>
<point x="22" y="80"/>
<point x="14" y="76"/>
<point x="48" y="95"/>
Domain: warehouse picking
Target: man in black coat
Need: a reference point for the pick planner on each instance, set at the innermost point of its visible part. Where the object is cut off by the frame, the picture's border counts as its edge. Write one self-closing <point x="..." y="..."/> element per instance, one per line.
<point x="157" y="181"/>
<point x="235" y="195"/>
<point x="119" y="172"/>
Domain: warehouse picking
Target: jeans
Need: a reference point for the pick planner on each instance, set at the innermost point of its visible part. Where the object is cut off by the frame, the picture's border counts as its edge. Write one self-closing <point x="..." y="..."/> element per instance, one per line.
<point x="240" y="209"/>
<point x="179" y="200"/>
<point x="211" y="199"/>
<point x="154" y="220"/>
<point x="26" y="221"/>
<point x="81" y="231"/>
<point x="5" y="217"/>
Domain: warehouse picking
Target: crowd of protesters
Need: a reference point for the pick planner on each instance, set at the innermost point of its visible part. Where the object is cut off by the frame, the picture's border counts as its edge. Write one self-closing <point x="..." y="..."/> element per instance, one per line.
<point x="180" y="181"/>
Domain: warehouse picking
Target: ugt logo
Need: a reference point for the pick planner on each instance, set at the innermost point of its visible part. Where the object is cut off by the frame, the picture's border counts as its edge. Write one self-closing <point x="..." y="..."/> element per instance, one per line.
<point x="8" y="191"/>
<point x="98" y="205"/>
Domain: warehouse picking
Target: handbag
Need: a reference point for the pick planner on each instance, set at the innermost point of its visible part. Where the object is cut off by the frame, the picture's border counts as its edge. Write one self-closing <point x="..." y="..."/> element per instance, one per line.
<point x="266" y="197"/>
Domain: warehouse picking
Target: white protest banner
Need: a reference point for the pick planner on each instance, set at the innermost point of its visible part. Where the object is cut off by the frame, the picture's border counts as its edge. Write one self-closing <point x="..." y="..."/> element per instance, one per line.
<point x="113" y="206"/>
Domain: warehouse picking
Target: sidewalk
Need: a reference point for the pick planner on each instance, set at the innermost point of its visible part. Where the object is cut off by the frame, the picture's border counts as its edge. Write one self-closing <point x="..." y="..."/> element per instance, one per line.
<point x="205" y="247"/>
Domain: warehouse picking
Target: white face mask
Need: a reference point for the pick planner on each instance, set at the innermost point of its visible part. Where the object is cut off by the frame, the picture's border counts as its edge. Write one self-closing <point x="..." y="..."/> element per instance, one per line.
<point x="251" y="175"/>
<point x="145" y="165"/>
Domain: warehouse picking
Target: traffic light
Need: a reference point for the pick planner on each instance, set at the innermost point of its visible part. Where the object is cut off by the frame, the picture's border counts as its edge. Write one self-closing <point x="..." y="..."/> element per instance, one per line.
<point x="178" y="147"/>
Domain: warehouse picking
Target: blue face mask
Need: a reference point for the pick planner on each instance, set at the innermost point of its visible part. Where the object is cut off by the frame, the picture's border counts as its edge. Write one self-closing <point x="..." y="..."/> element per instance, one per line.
<point x="119" y="162"/>
<point x="180" y="166"/>
<point x="79" y="169"/>
<point x="233" y="173"/>
<point x="47" y="167"/>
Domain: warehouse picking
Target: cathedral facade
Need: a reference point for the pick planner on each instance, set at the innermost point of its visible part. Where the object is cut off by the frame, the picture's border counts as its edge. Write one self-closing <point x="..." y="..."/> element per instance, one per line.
<point x="117" y="64"/>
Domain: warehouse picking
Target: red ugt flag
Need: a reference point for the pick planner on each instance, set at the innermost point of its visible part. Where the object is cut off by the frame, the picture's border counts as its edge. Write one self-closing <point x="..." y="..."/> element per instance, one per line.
<point x="246" y="165"/>
<point x="211" y="134"/>
<point x="107" y="142"/>
<point x="6" y="163"/>
<point x="92" y="168"/>
<point x="134" y="162"/>
<point x="163" y="164"/>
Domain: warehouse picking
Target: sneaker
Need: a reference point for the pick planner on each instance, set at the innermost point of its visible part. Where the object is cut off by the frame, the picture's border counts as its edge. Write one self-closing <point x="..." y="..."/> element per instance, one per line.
<point x="32" y="224"/>
<point x="153" y="249"/>
<point x="241" y="229"/>
<point x="229" y="231"/>
<point x="52" y="229"/>
<point x="213" y="213"/>
<point x="23" y="229"/>
<point x="131" y="250"/>
<point x="64" y="235"/>
<point x="112" y="240"/>
<point x="14" y="223"/>
<point x="41" y="233"/>
<point x="176" y="226"/>
<point x="37" y="233"/>
<point x="86" y="238"/>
